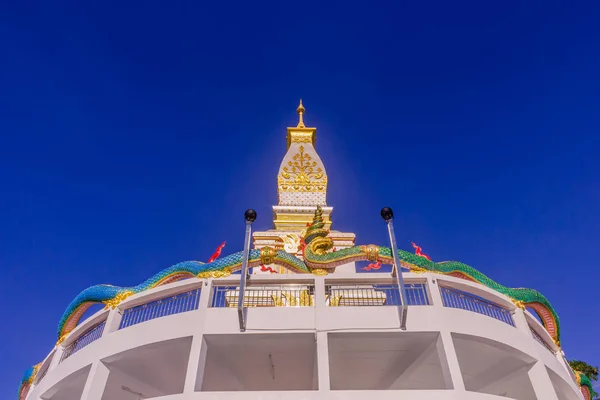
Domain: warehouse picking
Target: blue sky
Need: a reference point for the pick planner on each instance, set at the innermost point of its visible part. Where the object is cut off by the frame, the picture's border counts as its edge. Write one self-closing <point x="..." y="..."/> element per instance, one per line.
<point x="133" y="135"/>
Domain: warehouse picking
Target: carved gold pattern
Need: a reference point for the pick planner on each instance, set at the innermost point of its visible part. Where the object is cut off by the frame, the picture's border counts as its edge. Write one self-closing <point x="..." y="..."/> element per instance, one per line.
<point x="334" y="301"/>
<point x="319" y="272"/>
<point x="372" y="252"/>
<point x="418" y="270"/>
<point x="278" y="300"/>
<point x="291" y="242"/>
<point x="61" y="339"/>
<point x="302" y="174"/>
<point x="518" y="303"/>
<point x="267" y="255"/>
<point x="290" y="299"/>
<point x="214" y="274"/>
<point x="302" y="137"/>
<point x="306" y="300"/>
<point x="114" y="302"/>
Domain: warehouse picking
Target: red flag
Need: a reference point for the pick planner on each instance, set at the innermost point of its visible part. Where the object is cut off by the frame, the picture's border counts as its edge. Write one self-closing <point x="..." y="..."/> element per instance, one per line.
<point x="267" y="269"/>
<point x="419" y="252"/>
<point x="217" y="253"/>
<point x="371" y="266"/>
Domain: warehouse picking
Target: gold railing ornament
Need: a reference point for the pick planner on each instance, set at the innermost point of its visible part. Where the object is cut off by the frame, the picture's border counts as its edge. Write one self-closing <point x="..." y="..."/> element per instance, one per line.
<point x="306" y="300"/>
<point x="334" y="301"/>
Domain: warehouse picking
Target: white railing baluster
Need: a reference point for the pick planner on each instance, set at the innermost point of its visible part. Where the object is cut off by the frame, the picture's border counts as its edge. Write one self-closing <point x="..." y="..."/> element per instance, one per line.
<point x="454" y="298"/>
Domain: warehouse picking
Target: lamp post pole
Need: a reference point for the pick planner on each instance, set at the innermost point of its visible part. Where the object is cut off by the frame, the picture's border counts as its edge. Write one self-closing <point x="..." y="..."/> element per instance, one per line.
<point x="388" y="215"/>
<point x="249" y="216"/>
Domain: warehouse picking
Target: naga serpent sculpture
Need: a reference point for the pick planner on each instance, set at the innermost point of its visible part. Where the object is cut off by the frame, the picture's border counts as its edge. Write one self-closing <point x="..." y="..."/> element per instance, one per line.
<point x="318" y="259"/>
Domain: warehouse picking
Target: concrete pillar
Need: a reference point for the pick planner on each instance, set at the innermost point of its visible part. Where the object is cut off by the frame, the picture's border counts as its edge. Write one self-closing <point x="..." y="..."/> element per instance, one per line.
<point x="435" y="297"/>
<point x="323" y="361"/>
<point x="521" y="321"/>
<point x="540" y="380"/>
<point x="196" y="365"/>
<point x="113" y="321"/>
<point x="96" y="381"/>
<point x="449" y="360"/>
<point x="197" y="359"/>
<point x="319" y="292"/>
<point x="205" y="294"/>
<point x="56" y="357"/>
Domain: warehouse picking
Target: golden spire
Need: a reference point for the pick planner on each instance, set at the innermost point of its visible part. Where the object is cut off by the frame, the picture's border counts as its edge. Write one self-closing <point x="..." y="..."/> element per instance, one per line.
<point x="300" y="110"/>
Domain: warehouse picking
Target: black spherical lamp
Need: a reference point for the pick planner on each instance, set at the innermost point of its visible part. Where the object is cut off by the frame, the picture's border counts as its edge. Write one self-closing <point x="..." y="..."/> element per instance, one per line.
<point x="250" y="215"/>
<point x="387" y="213"/>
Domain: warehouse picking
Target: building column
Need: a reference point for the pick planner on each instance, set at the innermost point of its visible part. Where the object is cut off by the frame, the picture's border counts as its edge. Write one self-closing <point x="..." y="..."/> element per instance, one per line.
<point x="450" y="366"/>
<point x="197" y="359"/>
<point x="96" y="381"/>
<point x="323" y="361"/>
<point x="540" y="380"/>
<point x="319" y="292"/>
<point x="56" y="357"/>
<point x="521" y="321"/>
<point x="113" y="321"/>
<point x="196" y="365"/>
<point x="434" y="291"/>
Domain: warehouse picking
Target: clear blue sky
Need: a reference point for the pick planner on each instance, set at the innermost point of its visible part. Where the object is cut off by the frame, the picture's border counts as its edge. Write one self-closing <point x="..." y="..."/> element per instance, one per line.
<point x="133" y="135"/>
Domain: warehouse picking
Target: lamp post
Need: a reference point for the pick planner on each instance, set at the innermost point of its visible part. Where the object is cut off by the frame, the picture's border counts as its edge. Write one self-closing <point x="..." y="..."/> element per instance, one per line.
<point x="249" y="216"/>
<point x="388" y="215"/>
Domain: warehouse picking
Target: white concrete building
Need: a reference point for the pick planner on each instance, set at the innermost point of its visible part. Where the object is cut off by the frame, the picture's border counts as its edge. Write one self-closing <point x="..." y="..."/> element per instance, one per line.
<point x="182" y="341"/>
<point x="326" y="335"/>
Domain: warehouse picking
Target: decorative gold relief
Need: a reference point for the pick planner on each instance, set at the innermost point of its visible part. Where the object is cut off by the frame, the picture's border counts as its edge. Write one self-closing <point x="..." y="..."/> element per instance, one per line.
<point x="319" y="272"/>
<point x="62" y="338"/>
<point x="290" y="299"/>
<point x="334" y="301"/>
<point x="302" y="174"/>
<point x="306" y="300"/>
<point x="518" y="303"/>
<point x="372" y="252"/>
<point x="418" y="270"/>
<point x="114" y="302"/>
<point x="278" y="300"/>
<point x="267" y="255"/>
<point x="302" y="137"/>
<point x="291" y="242"/>
<point x="214" y="274"/>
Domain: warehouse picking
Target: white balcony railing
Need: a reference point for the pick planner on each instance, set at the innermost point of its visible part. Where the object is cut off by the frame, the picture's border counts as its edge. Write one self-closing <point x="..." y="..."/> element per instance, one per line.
<point x="177" y="304"/>
<point x="375" y="295"/>
<point x="466" y="301"/>
<point x="343" y="290"/>
<point x="271" y="295"/>
<point x="85" y="339"/>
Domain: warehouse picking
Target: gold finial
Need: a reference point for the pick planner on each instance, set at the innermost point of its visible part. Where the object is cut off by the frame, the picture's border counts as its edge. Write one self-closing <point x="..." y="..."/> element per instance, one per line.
<point x="300" y="110"/>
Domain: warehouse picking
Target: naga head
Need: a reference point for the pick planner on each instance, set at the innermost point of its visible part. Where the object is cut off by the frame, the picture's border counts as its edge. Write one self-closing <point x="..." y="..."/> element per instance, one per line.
<point x="316" y="235"/>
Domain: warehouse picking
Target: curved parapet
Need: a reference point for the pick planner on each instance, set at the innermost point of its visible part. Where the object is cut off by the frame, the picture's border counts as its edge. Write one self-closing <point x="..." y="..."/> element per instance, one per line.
<point x="112" y="295"/>
<point x="317" y="256"/>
